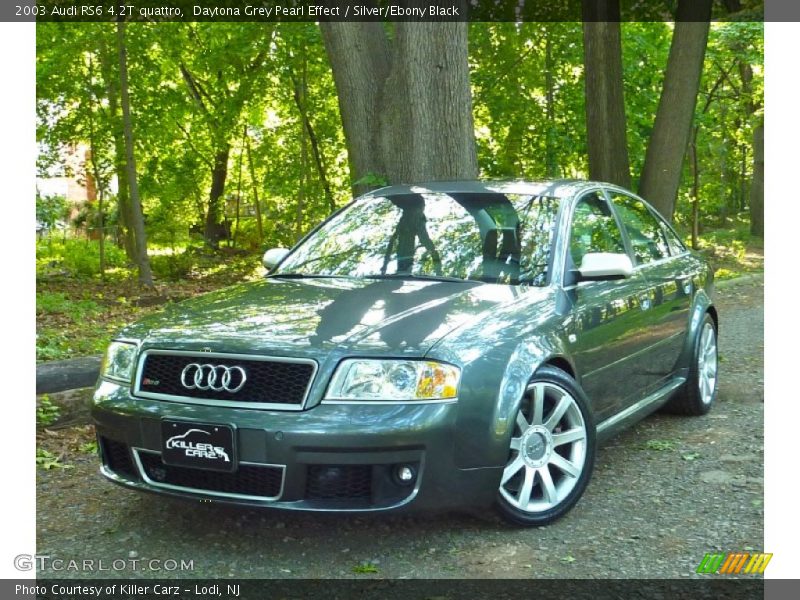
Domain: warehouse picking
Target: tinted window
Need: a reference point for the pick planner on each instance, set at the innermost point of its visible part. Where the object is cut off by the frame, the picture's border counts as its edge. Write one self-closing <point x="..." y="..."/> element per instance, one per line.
<point x="645" y="232"/>
<point x="675" y="244"/>
<point x="594" y="229"/>
<point x="492" y="237"/>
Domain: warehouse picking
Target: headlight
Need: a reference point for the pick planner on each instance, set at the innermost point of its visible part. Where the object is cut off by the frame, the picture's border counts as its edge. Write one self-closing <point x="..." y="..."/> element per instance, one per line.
<point x="119" y="361"/>
<point x="393" y="380"/>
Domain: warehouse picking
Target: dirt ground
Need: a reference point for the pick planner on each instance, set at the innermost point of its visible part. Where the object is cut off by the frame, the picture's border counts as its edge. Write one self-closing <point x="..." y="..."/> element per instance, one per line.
<point x="663" y="494"/>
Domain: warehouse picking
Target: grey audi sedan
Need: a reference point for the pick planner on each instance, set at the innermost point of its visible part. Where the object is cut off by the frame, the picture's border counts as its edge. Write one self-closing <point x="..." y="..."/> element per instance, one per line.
<point x="443" y="345"/>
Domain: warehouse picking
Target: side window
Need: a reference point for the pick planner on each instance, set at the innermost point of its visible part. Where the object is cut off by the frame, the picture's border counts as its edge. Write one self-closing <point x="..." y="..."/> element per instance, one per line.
<point x="593" y="229"/>
<point x="645" y="232"/>
<point x="675" y="244"/>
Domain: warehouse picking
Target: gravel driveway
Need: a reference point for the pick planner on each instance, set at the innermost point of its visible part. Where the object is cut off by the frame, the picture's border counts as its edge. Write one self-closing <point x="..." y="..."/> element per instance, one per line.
<point x="663" y="494"/>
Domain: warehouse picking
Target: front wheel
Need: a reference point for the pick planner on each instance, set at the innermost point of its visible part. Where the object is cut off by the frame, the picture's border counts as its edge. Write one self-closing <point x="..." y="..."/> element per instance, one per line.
<point x="551" y="453"/>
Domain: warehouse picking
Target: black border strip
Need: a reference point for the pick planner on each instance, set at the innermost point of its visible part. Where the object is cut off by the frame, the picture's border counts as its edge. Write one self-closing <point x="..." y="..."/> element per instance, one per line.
<point x="267" y="11"/>
<point x="712" y="587"/>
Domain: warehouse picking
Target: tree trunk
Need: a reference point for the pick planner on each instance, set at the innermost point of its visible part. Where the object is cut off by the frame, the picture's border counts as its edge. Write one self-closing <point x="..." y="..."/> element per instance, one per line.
<point x="757" y="188"/>
<point x="303" y="187"/>
<point x="254" y="183"/>
<point x="100" y="189"/>
<point x="239" y="190"/>
<point x="359" y="55"/>
<point x="406" y="106"/>
<point x="695" y="190"/>
<point x="742" y="191"/>
<point x="605" y="103"/>
<point x="661" y="174"/>
<point x="550" y="151"/>
<point x="142" y="261"/>
<point x="214" y="229"/>
<point x="124" y="215"/>
<point x="300" y="92"/>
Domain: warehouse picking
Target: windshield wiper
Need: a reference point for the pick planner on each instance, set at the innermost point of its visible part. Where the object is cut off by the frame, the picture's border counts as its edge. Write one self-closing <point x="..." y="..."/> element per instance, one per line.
<point x="295" y="275"/>
<point x="420" y="277"/>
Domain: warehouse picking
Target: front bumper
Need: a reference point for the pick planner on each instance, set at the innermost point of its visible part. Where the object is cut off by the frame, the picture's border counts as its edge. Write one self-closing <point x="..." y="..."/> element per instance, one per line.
<point x="327" y="458"/>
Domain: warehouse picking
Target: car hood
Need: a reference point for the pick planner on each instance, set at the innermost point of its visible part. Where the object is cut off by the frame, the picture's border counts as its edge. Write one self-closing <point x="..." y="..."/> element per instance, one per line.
<point x="305" y="316"/>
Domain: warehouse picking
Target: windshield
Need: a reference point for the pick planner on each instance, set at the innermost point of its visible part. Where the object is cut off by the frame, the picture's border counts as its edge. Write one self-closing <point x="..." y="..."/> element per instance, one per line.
<point x="489" y="237"/>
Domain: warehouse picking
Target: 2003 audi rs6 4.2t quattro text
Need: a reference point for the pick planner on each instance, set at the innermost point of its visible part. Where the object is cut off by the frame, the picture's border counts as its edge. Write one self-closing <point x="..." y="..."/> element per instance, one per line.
<point x="436" y="345"/>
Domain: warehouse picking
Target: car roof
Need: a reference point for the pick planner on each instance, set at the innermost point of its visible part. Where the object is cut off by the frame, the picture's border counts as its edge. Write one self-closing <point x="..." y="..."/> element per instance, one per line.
<point x="558" y="188"/>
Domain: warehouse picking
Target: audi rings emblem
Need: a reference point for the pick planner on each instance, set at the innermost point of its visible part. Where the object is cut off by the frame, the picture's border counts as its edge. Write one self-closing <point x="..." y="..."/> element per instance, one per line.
<point x="217" y="378"/>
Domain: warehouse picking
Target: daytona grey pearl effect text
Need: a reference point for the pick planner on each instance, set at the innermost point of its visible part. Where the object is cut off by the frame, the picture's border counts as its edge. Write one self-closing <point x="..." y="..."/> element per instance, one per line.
<point x="314" y="10"/>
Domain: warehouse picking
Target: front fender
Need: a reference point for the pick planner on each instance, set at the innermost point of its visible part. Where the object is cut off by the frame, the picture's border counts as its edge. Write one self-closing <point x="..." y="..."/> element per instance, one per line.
<point x="491" y="391"/>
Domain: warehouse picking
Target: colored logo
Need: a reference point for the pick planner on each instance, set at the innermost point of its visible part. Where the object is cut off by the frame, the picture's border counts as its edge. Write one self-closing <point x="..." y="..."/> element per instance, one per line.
<point x="734" y="563"/>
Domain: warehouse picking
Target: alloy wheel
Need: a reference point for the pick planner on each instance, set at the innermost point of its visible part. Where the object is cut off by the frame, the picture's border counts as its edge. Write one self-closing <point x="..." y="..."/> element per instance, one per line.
<point x="548" y="449"/>
<point x="707" y="363"/>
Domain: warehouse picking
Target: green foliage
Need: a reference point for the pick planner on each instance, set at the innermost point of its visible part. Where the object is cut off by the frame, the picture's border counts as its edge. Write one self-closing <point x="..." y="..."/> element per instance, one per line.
<point x="50" y="210"/>
<point x="88" y="447"/>
<point x="660" y="445"/>
<point x="732" y="250"/>
<point x="371" y="180"/>
<point x="47" y="460"/>
<point x="47" y="413"/>
<point x="528" y="99"/>
<point x="172" y="267"/>
<point x="57" y="302"/>
<point x="79" y="257"/>
<point x="365" y="568"/>
<point x="54" y="343"/>
<point x="50" y="346"/>
<point x="83" y="257"/>
<point x="62" y="313"/>
<point x="242" y="90"/>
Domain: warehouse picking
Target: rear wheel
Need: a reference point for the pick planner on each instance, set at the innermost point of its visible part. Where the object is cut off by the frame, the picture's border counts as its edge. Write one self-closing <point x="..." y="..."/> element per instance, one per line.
<point x="700" y="391"/>
<point x="551" y="453"/>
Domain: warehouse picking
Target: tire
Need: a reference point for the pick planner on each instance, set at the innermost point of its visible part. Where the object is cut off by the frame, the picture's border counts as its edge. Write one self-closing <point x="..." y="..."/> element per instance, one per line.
<point x="546" y="474"/>
<point x="698" y="394"/>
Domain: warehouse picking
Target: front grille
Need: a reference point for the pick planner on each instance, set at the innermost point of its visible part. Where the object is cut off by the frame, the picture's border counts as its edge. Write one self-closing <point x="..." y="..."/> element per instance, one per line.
<point x="117" y="457"/>
<point x="338" y="482"/>
<point x="273" y="382"/>
<point x="263" y="481"/>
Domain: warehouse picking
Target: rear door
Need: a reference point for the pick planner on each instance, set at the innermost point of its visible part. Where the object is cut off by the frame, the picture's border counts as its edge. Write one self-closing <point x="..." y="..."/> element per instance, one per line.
<point x="659" y="258"/>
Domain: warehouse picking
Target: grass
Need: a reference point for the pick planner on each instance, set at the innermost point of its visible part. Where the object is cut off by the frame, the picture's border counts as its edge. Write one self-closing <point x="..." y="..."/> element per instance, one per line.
<point x="47" y="413"/>
<point x="660" y="445"/>
<point x="88" y="447"/>
<point x="77" y="313"/>
<point x="732" y="250"/>
<point x="365" y="569"/>
<point x="47" y="460"/>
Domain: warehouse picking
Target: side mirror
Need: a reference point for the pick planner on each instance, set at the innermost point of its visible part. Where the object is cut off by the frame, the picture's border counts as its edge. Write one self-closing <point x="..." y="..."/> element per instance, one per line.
<point x="602" y="266"/>
<point x="273" y="257"/>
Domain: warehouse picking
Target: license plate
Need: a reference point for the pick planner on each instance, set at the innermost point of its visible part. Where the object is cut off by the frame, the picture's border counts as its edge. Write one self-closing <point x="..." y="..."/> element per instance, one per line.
<point x="199" y="445"/>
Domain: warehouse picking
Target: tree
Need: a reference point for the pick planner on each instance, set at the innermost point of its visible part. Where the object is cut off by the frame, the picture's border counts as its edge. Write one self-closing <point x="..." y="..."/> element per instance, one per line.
<point x="222" y="72"/>
<point x="405" y="103"/>
<point x="142" y="261"/>
<point x="757" y="188"/>
<point x="605" y="102"/>
<point x="661" y="174"/>
<point x="528" y="99"/>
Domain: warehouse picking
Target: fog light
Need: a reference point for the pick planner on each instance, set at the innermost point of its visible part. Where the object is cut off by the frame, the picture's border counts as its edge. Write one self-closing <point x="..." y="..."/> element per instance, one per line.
<point x="405" y="474"/>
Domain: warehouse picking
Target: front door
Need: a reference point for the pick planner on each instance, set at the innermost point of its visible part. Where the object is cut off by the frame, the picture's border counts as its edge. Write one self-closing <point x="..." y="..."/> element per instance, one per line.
<point x="607" y="330"/>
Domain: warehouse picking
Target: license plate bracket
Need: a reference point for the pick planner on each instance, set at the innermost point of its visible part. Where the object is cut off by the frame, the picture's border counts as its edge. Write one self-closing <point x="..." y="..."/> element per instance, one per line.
<point x="209" y="446"/>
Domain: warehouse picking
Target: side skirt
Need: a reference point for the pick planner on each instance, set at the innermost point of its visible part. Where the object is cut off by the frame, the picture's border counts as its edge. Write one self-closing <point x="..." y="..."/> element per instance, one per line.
<point x="639" y="410"/>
